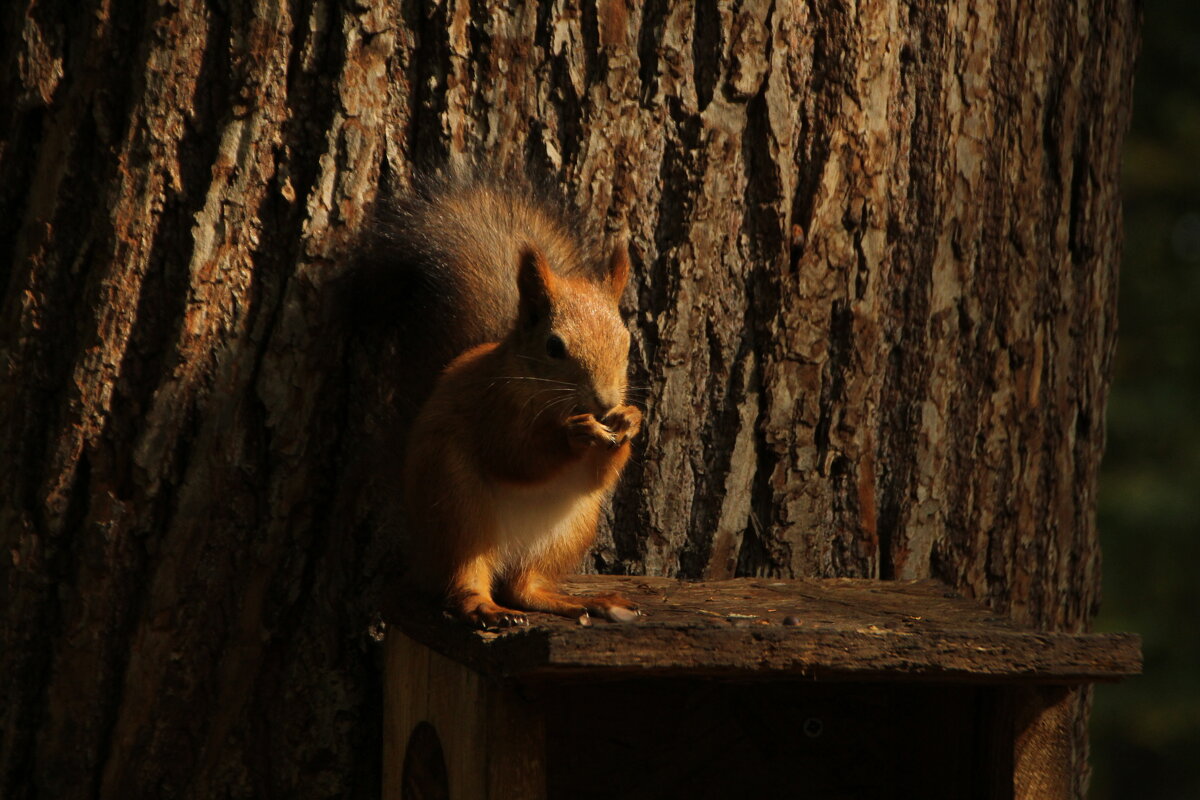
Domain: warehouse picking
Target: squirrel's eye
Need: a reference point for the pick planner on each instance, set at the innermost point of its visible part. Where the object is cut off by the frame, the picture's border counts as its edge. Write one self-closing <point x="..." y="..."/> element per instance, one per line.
<point x="555" y="347"/>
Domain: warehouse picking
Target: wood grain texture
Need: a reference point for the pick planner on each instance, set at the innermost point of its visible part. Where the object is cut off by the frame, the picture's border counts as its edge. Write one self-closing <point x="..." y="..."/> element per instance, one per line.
<point x="873" y="310"/>
<point x="492" y="741"/>
<point x="838" y="628"/>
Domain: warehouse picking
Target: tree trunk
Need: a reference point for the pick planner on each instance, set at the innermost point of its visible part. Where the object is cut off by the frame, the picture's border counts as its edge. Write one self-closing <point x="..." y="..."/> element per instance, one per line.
<point x="875" y="249"/>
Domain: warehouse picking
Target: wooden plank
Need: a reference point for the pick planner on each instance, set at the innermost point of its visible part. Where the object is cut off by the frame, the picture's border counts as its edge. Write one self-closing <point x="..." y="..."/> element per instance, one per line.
<point x="491" y="739"/>
<point x="516" y="745"/>
<point x="646" y="739"/>
<point x="994" y="727"/>
<point x="843" y="628"/>
<point x="405" y="705"/>
<point x="423" y="686"/>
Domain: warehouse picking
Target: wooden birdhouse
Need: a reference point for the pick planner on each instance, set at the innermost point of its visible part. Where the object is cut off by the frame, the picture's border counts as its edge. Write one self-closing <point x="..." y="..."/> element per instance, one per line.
<point x="742" y="688"/>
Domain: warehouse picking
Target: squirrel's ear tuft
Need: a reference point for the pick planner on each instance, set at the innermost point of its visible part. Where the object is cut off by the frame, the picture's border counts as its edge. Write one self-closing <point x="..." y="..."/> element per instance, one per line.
<point x="618" y="269"/>
<point x="535" y="283"/>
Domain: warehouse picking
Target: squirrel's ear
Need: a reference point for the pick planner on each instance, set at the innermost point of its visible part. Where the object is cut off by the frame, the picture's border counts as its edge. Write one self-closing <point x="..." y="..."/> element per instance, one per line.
<point x="534" y="282"/>
<point x="618" y="269"/>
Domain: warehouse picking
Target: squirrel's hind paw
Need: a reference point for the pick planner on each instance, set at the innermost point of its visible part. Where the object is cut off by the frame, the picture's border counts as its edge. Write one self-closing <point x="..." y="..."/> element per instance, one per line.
<point x="612" y="607"/>
<point x="489" y="615"/>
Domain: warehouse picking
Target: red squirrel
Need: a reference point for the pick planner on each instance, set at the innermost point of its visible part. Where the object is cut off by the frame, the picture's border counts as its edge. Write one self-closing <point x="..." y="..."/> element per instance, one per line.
<point x="525" y="433"/>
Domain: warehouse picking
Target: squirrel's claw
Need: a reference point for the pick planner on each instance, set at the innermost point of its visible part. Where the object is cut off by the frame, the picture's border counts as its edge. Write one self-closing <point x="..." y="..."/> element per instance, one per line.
<point x="624" y="422"/>
<point x="489" y="616"/>
<point x="613" y="607"/>
<point x="618" y="427"/>
<point x="622" y="614"/>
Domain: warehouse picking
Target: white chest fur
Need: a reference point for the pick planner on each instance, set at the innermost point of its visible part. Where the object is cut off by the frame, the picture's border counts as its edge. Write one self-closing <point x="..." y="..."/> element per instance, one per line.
<point x="529" y="519"/>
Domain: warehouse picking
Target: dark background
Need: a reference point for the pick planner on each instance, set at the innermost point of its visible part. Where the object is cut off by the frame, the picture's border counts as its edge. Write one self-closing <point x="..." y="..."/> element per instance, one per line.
<point x="1146" y="732"/>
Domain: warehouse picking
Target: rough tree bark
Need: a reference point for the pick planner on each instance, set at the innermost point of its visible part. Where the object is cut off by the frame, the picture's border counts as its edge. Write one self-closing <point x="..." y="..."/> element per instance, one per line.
<point x="874" y="310"/>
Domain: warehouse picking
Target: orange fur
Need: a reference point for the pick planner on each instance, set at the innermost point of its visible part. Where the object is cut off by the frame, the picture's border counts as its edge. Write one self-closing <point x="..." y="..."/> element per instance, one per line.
<point x="517" y="448"/>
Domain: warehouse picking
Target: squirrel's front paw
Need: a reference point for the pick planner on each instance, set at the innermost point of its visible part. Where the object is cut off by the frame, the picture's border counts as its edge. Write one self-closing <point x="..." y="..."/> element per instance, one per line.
<point x="584" y="431"/>
<point x="624" y="422"/>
